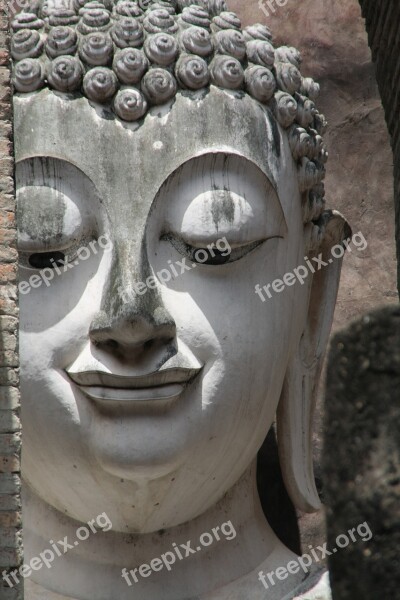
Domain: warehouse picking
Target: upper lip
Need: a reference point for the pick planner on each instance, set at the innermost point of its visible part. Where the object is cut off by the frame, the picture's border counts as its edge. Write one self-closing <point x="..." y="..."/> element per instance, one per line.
<point x="155" y="379"/>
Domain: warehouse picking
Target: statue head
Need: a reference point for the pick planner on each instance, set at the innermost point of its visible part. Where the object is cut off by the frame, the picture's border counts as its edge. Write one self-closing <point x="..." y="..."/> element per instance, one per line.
<point x="168" y="164"/>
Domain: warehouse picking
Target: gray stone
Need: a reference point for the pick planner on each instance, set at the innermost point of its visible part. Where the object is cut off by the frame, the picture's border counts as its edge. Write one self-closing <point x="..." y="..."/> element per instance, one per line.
<point x="362" y="455"/>
<point x="9" y="397"/>
<point x="9" y="421"/>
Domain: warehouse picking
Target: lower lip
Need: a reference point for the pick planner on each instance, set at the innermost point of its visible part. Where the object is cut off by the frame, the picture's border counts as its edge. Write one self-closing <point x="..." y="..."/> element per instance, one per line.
<point x="107" y="394"/>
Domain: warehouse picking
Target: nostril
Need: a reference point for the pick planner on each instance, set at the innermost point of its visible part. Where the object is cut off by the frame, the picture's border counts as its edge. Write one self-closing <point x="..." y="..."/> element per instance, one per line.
<point x="111" y="344"/>
<point x="132" y="331"/>
<point x="148" y="344"/>
<point x="108" y="344"/>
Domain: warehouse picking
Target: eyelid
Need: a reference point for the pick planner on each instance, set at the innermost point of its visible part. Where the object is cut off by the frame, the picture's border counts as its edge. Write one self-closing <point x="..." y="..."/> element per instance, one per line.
<point x="57" y="177"/>
<point x="71" y="251"/>
<point x="48" y="219"/>
<point x="190" y="196"/>
<point x="232" y="253"/>
<point x="25" y="256"/>
<point x="200" y="222"/>
<point x="29" y="246"/>
<point x="197" y="244"/>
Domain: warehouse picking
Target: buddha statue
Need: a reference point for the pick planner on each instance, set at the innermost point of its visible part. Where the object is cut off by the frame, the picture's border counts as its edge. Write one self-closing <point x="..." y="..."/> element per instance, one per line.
<point x="169" y="167"/>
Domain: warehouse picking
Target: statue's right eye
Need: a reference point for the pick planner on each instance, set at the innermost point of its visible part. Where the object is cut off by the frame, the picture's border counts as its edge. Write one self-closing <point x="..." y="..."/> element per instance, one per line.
<point x="46" y="260"/>
<point x="217" y="197"/>
<point x="51" y="258"/>
<point x="56" y="212"/>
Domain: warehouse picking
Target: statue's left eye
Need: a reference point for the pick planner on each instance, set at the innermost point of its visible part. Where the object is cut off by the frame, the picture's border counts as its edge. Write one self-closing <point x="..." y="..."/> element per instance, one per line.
<point x="214" y="254"/>
<point x="46" y="260"/>
<point x="205" y="256"/>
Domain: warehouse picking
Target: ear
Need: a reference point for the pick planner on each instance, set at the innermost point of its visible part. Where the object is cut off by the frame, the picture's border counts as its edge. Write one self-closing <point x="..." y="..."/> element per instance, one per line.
<point x="298" y="398"/>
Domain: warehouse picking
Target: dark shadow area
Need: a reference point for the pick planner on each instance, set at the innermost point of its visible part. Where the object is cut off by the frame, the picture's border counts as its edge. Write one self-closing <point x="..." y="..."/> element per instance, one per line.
<point x="276" y="504"/>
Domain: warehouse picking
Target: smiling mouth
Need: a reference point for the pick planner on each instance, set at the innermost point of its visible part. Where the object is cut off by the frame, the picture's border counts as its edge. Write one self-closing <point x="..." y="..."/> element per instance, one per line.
<point x="160" y="385"/>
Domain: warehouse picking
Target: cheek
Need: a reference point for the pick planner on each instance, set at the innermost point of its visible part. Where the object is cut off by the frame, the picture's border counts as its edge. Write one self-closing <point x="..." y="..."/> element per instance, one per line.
<point x="55" y="319"/>
<point x="65" y="293"/>
<point x="220" y="304"/>
<point x="243" y="342"/>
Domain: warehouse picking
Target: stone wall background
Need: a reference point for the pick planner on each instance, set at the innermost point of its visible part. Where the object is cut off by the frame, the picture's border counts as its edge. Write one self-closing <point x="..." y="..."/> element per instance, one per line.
<point x="10" y="506"/>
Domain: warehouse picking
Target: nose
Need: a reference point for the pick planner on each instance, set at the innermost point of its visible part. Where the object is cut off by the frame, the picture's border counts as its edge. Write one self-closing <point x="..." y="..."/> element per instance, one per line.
<point x="134" y="327"/>
<point x="132" y="324"/>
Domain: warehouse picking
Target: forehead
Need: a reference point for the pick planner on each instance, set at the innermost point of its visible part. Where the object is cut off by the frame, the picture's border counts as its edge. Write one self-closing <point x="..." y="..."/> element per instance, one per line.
<point x="131" y="161"/>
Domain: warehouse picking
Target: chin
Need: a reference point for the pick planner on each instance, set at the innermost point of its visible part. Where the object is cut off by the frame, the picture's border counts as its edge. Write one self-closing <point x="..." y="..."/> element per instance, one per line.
<point x="136" y="468"/>
<point x="136" y="451"/>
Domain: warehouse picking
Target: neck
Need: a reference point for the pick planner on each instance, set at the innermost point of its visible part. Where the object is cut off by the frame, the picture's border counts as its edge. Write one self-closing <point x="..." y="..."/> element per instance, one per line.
<point x="164" y="565"/>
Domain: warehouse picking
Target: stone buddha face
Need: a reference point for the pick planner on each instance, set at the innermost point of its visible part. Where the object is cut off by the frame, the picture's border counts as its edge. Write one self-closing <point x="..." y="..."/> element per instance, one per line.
<point x="151" y="370"/>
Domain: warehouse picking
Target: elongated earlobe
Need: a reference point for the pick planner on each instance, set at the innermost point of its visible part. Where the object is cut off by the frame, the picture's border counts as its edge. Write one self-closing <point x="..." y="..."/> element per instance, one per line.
<point x="297" y="403"/>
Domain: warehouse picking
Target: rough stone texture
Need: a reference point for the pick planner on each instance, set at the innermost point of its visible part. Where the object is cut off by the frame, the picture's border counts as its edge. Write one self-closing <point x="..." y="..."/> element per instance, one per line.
<point x="382" y="19"/>
<point x="362" y="455"/>
<point x="10" y="442"/>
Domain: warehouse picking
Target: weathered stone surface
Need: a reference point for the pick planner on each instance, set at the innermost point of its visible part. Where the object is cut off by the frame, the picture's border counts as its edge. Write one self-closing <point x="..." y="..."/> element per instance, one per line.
<point x="10" y="519"/>
<point x="10" y="464"/>
<point x="106" y="167"/>
<point x="217" y="119"/>
<point x="359" y="120"/>
<point x="6" y="200"/>
<point x="8" y="254"/>
<point x="333" y="41"/>
<point x="11" y="556"/>
<point x="10" y="593"/>
<point x="8" y="376"/>
<point x="359" y="181"/>
<point x="10" y="503"/>
<point x="10" y="483"/>
<point x="8" y="271"/>
<point x="9" y="398"/>
<point x="8" y="358"/>
<point x="9" y="443"/>
<point x="7" y="219"/>
<point x="7" y="235"/>
<point x="8" y="305"/>
<point x="362" y="455"/>
<point x="9" y="421"/>
<point x="8" y="536"/>
<point x="8" y="341"/>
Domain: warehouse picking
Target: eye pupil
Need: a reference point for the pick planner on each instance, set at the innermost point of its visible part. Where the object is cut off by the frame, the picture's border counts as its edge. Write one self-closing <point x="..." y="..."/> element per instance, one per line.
<point x="206" y="256"/>
<point x="45" y="260"/>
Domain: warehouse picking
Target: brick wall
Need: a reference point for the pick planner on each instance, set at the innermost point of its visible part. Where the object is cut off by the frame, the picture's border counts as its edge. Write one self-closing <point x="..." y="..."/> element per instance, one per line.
<point x="382" y="18"/>
<point x="10" y="506"/>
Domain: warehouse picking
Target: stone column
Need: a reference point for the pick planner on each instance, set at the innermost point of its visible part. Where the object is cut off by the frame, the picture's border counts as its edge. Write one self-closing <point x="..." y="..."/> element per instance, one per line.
<point x="10" y="436"/>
